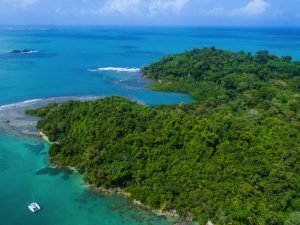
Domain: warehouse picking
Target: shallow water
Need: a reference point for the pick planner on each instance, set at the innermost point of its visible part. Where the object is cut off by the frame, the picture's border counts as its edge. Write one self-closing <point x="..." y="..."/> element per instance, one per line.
<point x="87" y="63"/>
<point x="62" y="195"/>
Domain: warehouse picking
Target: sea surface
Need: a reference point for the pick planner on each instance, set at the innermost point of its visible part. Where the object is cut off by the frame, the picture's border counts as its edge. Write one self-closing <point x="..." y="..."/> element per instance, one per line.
<point x="85" y="63"/>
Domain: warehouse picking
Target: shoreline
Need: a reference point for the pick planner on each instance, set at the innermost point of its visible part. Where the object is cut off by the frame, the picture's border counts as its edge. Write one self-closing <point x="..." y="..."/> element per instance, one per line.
<point x="170" y="215"/>
<point x="44" y="137"/>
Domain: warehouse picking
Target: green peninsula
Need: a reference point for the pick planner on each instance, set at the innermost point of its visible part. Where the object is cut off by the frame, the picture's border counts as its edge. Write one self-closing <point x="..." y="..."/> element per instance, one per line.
<point x="231" y="157"/>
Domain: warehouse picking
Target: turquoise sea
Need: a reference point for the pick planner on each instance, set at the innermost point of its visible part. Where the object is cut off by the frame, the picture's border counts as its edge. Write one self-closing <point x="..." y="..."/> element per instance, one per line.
<point x="86" y="63"/>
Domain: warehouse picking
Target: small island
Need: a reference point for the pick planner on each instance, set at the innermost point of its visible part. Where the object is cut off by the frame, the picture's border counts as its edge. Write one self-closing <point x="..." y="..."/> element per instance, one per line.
<point x="230" y="157"/>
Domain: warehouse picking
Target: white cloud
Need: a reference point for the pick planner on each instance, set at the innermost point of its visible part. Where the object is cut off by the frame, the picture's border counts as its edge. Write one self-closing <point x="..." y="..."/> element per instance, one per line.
<point x="142" y="6"/>
<point x="19" y="3"/>
<point x="120" y="6"/>
<point x="26" y="3"/>
<point x="60" y="11"/>
<point x="166" y="5"/>
<point x="216" y="11"/>
<point x="253" y="8"/>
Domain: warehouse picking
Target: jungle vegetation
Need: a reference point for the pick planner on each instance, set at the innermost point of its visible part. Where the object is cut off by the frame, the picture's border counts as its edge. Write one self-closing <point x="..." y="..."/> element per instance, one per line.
<point x="231" y="157"/>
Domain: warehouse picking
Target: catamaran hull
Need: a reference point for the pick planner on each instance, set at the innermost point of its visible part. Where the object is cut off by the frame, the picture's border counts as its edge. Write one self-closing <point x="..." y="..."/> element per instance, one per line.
<point x="34" y="207"/>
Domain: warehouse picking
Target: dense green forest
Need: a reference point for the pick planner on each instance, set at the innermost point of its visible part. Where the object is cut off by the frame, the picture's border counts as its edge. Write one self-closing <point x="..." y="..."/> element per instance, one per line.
<point x="231" y="157"/>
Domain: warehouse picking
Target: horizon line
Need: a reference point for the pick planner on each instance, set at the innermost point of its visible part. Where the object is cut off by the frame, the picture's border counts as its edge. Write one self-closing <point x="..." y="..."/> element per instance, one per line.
<point x="148" y="25"/>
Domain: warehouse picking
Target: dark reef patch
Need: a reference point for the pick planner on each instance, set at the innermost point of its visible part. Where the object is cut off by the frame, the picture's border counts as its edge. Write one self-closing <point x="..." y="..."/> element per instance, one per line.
<point x="54" y="172"/>
<point x="48" y="171"/>
<point x="38" y="149"/>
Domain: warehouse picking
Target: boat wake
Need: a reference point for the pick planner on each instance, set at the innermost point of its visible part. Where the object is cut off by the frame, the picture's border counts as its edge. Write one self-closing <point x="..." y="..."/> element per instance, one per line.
<point x="116" y="69"/>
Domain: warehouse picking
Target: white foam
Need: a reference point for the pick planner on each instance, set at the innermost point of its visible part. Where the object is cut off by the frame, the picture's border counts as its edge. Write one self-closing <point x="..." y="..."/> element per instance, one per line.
<point x="29" y="52"/>
<point x="117" y="69"/>
<point x="25" y="52"/>
<point x="33" y="102"/>
<point x="20" y="104"/>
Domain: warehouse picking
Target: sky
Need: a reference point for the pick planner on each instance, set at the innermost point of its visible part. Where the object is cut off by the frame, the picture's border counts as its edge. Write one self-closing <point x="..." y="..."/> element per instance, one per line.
<point x="280" y="13"/>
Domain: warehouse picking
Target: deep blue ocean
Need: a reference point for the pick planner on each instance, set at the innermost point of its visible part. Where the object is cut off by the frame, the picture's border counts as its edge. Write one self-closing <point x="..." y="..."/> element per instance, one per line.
<point x="86" y="63"/>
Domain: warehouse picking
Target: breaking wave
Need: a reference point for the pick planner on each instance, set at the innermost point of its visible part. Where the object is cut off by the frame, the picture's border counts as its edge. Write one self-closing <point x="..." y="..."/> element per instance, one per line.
<point x="20" y="104"/>
<point x="30" y="52"/>
<point x="41" y="102"/>
<point x="24" y="51"/>
<point x="116" y="69"/>
<point x="13" y="119"/>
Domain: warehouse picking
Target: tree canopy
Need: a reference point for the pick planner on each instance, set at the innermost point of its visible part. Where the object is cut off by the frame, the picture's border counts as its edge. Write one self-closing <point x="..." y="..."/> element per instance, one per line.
<point x="231" y="157"/>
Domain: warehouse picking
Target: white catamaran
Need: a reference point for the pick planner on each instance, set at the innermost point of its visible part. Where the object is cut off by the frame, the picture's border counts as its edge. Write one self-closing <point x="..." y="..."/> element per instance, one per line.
<point x="34" y="207"/>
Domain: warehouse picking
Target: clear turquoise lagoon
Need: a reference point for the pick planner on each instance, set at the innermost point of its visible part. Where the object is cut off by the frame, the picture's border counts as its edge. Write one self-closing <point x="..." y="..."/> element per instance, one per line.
<point x="64" y="66"/>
